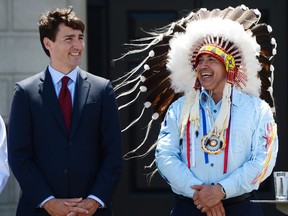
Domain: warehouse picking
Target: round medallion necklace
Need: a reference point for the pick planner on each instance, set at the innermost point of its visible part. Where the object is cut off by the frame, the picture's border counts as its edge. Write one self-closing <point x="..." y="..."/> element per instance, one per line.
<point x="211" y="143"/>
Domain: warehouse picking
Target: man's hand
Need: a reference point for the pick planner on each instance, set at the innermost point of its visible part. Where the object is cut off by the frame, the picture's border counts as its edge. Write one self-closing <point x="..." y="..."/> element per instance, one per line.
<point x="207" y="195"/>
<point x="217" y="210"/>
<point x="59" y="207"/>
<point x="89" y="204"/>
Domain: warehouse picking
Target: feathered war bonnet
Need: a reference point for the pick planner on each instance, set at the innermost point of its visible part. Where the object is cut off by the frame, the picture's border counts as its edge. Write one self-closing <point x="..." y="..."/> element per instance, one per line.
<point x="233" y="35"/>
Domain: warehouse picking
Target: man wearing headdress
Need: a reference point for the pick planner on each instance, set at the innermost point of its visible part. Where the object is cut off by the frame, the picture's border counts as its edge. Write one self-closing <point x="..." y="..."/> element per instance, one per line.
<point x="219" y="141"/>
<point x="209" y="79"/>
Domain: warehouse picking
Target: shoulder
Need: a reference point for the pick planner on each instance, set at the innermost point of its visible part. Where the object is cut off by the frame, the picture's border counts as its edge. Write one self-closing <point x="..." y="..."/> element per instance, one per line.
<point x="30" y="85"/>
<point x="179" y="102"/>
<point x="96" y="83"/>
<point x="254" y="104"/>
<point x="94" y="78"/>
<point x="176" y="106"/>
<point x="32" y="80"/>
<point x="242" y="99"/>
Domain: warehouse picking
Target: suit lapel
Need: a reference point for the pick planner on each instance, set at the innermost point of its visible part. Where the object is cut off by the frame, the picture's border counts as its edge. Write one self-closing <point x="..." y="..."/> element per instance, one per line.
<point x="47" y="91"/>
<point x="81" y="92"/>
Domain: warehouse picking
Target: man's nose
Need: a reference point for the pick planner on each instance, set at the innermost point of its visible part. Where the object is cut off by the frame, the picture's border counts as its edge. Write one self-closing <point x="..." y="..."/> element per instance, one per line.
<point x="78" y="44"/>
<point x="203" y="64"/>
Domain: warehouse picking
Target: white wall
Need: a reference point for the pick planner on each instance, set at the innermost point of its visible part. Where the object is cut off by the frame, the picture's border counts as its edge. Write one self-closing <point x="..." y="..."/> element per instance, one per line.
<point x="21" y="55"/>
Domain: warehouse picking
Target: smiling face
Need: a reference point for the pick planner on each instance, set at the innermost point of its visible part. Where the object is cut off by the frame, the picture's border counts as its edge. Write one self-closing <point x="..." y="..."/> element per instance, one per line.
<point x="212" y="75"/>
<point x="66" y="50"/>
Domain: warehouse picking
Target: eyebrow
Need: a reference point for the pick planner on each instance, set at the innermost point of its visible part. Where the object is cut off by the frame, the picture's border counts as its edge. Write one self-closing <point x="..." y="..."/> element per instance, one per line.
<point x="74" y="35"/>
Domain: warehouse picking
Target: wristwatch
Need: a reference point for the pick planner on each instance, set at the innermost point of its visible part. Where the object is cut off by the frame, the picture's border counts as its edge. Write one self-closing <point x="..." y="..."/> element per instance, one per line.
<point x="222" y="190"/>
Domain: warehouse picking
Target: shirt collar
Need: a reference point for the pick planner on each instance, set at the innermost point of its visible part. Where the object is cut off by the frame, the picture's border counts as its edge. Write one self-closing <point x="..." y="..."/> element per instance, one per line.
<point x="235" y="96"/>
<point x="57" y="75"/>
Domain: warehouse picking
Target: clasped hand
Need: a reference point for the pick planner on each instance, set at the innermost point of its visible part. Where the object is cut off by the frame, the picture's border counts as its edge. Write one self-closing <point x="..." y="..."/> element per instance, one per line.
<point x="208" y="198"/>
<point x="71" y="207"/>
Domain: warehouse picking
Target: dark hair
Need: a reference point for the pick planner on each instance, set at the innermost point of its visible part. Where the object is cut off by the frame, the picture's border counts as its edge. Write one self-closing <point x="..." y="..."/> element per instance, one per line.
<point x="49" y="23"/>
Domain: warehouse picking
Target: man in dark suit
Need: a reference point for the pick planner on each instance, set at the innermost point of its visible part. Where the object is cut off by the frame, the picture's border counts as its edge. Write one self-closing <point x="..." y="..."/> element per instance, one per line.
<point x="67" y="159"/>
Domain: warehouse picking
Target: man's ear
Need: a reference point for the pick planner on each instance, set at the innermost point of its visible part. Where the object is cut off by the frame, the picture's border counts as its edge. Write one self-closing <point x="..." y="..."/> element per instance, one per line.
<point x="47" y="43"/>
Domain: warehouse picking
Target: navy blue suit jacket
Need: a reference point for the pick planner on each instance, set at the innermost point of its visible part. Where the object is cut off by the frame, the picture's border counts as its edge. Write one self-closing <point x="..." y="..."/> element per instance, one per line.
<point x="45" y="160"/>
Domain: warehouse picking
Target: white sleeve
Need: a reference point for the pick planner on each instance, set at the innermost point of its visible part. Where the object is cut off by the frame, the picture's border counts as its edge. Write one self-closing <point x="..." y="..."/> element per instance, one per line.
<point x="4" y="168"/>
